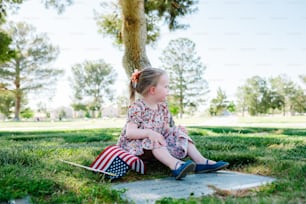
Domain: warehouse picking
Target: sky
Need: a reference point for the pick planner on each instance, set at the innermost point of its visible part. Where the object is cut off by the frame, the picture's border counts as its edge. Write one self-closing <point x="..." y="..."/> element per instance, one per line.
<point x="236" y="39"/>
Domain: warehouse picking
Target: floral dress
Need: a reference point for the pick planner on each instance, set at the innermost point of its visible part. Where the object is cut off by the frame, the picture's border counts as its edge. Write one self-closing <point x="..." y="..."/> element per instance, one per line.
<point x="158" y="120"/>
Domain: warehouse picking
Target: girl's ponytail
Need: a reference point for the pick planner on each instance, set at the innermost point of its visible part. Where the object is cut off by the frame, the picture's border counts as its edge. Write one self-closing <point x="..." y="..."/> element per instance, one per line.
<point x="142" y="80"/>
<point x="133" y="84"/>
<point x="132" y="93"/>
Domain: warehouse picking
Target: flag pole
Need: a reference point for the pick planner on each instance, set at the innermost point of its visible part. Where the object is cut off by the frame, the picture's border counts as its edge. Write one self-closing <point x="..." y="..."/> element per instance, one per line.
<point x="88" y="168"/>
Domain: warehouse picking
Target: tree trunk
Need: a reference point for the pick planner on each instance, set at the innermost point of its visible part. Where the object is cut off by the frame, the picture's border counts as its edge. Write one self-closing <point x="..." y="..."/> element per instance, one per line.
<point x="17" y="92"/>
<point x="134" y="35"/>
<point x="17" y="105"/>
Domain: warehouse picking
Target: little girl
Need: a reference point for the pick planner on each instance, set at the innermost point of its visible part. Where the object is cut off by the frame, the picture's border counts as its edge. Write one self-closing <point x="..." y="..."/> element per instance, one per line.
<point x="148" y="129"/>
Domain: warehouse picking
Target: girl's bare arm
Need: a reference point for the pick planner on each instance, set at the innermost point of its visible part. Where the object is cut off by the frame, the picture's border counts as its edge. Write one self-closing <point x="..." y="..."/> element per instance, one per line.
<point x="133" y="132"/>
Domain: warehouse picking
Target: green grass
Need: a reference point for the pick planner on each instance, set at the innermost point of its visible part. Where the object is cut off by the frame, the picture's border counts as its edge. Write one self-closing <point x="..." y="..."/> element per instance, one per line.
<point x="30" y="164"/>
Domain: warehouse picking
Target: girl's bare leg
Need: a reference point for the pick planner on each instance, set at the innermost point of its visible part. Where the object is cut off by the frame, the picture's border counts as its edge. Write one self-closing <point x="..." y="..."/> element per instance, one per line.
<point x="196" y="156"/>
<point x="163" y="155"/>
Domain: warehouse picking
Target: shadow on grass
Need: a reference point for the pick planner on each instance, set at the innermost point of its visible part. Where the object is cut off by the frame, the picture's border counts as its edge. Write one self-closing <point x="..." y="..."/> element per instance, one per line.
<point x="78" y="136"/>
<point x="244" y="150"/>
<point x="295" y="153"/>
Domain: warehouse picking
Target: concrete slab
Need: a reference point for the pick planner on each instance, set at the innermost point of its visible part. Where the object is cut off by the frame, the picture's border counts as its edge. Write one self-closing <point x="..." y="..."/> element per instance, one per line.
<point x="195" y="185"/>
<point x="25" y="200"/>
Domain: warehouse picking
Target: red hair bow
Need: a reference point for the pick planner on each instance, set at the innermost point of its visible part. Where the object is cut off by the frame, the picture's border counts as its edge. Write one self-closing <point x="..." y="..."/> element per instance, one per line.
<point x="135" y="77"/>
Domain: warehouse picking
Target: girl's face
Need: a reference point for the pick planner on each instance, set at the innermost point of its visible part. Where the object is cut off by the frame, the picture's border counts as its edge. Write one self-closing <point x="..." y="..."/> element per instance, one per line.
<point x="162" y="88"/>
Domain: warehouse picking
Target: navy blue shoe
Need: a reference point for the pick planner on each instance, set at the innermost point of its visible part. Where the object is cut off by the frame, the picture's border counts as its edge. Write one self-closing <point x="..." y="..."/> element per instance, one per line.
<point x="205" y="168"/>
<point x="181" y="172"/>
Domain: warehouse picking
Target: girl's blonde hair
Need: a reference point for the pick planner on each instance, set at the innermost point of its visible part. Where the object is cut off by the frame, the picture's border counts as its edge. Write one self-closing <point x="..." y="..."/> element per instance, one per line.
<point x="142" y="80"/>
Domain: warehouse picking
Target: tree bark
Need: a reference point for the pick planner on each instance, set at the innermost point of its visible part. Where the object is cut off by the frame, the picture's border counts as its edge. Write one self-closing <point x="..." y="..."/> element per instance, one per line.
<point x="17" y="92"/>
<point x="134" y="35"/>
<point x="17" y="105"/>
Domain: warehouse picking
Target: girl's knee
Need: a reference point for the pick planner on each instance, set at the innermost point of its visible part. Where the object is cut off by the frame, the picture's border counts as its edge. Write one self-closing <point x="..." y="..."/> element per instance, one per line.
<point x="158" y="150"/>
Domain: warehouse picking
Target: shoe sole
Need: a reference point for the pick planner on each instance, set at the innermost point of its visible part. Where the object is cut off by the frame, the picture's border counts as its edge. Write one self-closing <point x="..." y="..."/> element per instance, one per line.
<point x="190" y="168"/>
<point x="212" y="170"/>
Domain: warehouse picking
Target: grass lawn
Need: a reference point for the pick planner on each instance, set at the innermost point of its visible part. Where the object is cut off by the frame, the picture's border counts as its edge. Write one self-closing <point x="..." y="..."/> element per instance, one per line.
<point x="30" y="164"/>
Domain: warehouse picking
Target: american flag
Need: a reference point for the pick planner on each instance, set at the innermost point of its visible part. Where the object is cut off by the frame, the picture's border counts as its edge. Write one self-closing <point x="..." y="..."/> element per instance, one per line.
<point x="114" y="159"/>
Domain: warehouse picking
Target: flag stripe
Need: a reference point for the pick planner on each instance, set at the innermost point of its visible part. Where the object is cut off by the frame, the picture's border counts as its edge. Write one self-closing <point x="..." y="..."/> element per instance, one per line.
<point x="100" y="157"/>
<point x="105" y="159"/>
<point x="108" y="159"/>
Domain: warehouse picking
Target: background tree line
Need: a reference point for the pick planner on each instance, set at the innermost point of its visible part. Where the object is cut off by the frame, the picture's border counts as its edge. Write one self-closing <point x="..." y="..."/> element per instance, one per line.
<point x="25" y="58"/>
<point x="92" y="81"/>
<point x="268" y="96"/>
<point x="259" y="96"/>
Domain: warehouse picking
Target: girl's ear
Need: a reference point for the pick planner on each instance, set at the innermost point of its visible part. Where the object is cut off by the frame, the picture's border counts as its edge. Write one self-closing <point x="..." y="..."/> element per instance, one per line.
<point x="152" y="90"/>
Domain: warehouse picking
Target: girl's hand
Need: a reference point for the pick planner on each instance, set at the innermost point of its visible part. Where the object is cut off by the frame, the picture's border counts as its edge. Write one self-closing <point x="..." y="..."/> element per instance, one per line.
<point x="157" y="139"/>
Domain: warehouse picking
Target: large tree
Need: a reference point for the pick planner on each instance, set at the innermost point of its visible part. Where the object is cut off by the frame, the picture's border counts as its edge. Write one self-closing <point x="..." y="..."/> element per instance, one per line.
<point x="138" y="24"/>
<point x="92" y="83"/>
<point x="187" y="84"/>
<point x="29" y="69"/>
